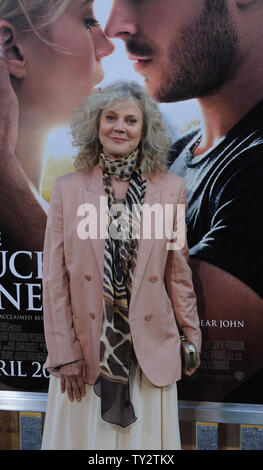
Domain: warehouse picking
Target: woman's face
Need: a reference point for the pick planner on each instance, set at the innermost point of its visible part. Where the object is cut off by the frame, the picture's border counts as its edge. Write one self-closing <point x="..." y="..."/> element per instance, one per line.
<point x="120" y="129"/>
<point x="56" y="82"/>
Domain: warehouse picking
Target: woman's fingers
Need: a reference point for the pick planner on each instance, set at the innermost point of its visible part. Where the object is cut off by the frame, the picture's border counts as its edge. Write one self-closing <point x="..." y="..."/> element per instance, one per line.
<point x="190" y="372"/>
<point x="73" y="379"/>
<point x="75" y="388"/>
<point x="82" y="386"/>
<point x="62" y="384"/>
<point x="69" y="388"/>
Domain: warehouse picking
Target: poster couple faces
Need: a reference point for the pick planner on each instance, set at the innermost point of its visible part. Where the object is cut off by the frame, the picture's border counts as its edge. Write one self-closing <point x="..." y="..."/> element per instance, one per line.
<point x="202" y="61"/>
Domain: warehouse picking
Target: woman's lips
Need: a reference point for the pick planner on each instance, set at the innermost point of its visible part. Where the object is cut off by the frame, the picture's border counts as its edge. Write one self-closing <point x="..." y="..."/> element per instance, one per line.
<point x="118" y="139"/>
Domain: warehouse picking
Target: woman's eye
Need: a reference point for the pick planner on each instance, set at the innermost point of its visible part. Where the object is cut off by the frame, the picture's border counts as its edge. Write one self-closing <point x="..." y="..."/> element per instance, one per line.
<point x="91" y="23"/>
<point x="109" y="118"/>
<point x="132" y="121"/>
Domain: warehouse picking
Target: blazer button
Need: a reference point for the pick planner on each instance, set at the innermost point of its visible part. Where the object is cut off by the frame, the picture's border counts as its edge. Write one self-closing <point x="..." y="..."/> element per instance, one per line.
<point x="153" y="278"/>
<point x="148" y="317"/>
<point x="88" y="277"/>
<point x="92" y="315"/>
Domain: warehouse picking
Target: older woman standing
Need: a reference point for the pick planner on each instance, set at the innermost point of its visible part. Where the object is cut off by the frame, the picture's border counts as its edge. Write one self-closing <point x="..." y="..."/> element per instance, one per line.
<point x="113" y="304"/>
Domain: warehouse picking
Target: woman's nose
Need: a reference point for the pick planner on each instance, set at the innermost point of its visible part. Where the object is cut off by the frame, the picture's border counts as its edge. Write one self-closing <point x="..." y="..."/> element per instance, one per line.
<point x="104" y="46"/>
<point x="119" y="126"/>
<point x="121" y="22"/>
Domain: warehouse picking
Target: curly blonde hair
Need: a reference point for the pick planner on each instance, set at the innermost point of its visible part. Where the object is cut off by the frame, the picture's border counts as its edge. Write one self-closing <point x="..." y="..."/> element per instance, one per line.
<point x="155" y="142"/>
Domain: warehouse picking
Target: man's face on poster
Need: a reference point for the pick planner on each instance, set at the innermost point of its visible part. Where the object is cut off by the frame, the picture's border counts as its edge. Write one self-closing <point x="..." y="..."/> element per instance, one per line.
<point x="185" y="49"/>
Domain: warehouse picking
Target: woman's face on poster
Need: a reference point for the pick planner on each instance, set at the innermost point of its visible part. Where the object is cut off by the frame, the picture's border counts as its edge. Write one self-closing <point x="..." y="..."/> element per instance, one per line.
<point x="58" y="78"/>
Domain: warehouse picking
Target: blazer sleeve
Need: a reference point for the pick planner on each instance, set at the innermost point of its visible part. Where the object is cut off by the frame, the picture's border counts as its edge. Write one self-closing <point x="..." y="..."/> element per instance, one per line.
<point x="62" y="345"/>
<point x="178" y="281"/>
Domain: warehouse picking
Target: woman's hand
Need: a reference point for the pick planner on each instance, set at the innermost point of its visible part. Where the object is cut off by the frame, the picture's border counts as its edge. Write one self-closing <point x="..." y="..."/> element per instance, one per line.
<point x="54" y="371"/>
<point x="192" y="371"/>
<point x="73" y="379"/>
<point x="9" y="109"/>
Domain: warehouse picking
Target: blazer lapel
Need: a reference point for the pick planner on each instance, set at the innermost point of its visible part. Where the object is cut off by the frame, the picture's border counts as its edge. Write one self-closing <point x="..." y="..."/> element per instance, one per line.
<point x="92" y="195"/>
<point x="152" y="196"/>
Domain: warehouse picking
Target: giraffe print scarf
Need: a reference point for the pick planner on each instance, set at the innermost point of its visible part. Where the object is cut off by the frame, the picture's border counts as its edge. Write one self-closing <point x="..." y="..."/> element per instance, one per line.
<point x="120" y="256"/>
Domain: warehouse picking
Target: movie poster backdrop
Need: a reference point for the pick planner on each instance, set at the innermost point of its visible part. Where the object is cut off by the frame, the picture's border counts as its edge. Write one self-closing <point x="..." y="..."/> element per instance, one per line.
<point x="230" y="368"/>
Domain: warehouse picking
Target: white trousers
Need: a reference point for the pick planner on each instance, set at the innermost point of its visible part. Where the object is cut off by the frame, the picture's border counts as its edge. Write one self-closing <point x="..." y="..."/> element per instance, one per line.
<point x="79" y="426"/>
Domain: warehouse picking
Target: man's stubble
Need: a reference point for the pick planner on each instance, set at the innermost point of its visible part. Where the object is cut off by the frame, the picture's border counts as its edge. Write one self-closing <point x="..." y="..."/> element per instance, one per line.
<point x="202" y="58"/>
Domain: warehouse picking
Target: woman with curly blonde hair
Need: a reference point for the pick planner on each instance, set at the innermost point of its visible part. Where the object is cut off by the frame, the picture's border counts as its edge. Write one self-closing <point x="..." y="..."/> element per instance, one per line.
<point x="114" y="304"/>
<point x="155" y="142"/>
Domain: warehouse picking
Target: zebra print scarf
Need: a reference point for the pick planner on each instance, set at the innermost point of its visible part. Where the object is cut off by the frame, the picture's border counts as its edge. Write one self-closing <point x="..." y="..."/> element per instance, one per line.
<point x="120" y="256"/>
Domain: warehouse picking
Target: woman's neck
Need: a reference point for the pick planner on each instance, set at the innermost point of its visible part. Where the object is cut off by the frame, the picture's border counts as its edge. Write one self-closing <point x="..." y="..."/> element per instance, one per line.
<point x="119" y="156"/>
<point x="114" y="157"/>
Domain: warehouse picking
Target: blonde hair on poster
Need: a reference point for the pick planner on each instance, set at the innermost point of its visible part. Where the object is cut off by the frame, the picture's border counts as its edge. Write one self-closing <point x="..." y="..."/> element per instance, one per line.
<point x="32" y="15"/>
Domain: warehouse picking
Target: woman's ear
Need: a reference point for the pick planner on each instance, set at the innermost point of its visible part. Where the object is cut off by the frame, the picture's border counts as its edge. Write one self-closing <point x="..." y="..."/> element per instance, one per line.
<point x="11" y="51"/>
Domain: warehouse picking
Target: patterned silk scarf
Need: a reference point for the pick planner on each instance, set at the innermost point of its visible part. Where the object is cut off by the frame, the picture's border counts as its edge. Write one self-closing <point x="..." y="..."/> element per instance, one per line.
<point x="120" y="256"/>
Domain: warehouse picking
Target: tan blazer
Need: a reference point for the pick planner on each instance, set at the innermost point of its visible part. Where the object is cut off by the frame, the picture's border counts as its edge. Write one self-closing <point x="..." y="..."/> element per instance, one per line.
<point x="162" y="299"/>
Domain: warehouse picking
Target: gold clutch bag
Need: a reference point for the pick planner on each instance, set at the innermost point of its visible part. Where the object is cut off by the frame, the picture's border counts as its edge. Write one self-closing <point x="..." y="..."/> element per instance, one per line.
<point x="189" y="356"/>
